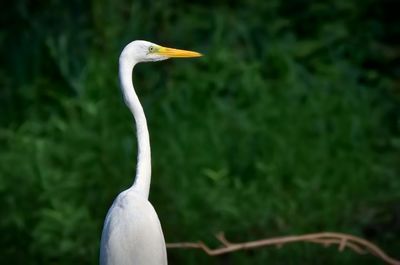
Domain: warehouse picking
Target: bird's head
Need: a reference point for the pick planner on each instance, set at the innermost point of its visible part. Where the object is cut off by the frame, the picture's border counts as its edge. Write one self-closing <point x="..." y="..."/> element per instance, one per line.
<point x="143" y="51"/>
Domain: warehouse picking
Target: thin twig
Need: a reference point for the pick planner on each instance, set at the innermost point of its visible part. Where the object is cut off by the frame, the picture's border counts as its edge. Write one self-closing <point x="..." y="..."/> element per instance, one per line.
<point x="356" y="244"/>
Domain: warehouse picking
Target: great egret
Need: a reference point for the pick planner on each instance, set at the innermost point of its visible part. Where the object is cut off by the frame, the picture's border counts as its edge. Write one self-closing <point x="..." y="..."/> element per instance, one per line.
<point x="132" y="233"/>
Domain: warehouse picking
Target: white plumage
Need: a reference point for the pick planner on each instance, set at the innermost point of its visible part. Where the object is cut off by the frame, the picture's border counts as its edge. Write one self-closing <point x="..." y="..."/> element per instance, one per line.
<point x="132" y="233"/>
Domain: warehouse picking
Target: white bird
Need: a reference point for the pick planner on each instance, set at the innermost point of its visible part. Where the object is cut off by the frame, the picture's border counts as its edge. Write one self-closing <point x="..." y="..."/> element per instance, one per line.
<point x="132" y="233"/>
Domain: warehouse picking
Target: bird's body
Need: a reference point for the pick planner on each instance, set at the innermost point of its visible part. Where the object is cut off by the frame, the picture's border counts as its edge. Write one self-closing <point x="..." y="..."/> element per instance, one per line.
<point x="132" y="233"/>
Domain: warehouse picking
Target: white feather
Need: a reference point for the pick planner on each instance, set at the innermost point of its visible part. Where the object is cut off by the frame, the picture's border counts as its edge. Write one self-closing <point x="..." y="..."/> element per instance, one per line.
<point x="132" y="233"/>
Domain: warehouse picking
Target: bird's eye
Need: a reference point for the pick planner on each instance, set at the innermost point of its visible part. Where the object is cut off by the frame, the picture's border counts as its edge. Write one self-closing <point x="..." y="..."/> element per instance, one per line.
<point x="151" y="49"/>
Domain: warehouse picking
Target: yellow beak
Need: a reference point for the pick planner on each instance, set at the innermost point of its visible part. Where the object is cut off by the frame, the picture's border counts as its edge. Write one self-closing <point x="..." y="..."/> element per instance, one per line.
<point x="175" y="53"/>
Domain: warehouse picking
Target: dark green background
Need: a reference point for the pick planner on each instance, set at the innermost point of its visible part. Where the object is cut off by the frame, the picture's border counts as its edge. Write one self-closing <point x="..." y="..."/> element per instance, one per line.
<point x="289" y="124"/>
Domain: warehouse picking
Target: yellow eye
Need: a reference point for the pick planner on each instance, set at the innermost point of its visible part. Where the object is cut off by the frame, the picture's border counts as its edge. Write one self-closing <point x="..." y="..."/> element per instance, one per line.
<point x="151" y="49"/>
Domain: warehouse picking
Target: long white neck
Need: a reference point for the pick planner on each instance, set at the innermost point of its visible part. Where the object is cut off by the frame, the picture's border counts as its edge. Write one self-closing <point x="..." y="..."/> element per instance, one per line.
<point x="143" y="169"/>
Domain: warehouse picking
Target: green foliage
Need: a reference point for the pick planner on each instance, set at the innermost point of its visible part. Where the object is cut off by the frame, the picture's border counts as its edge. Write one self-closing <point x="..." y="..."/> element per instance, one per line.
<point x="288" y="125"/>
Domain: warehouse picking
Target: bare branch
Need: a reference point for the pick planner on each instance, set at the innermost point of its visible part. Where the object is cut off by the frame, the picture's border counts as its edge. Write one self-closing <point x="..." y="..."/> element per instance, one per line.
<point x="221" y="237"/>
<point x="356" y="244"/>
